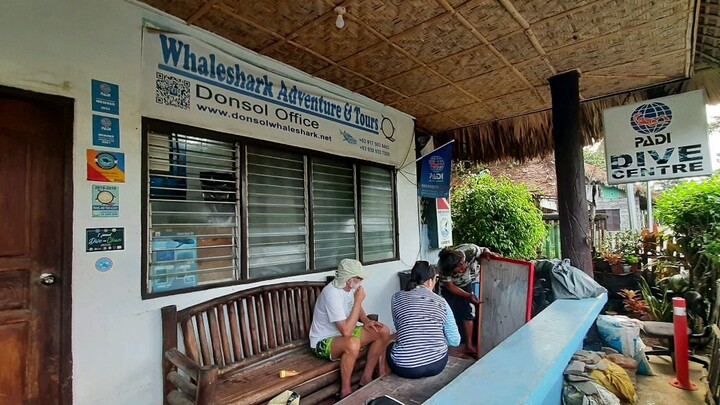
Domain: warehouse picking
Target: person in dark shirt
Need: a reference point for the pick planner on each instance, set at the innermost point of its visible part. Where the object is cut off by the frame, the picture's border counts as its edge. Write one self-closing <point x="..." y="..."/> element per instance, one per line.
<point x="459" y="268"/>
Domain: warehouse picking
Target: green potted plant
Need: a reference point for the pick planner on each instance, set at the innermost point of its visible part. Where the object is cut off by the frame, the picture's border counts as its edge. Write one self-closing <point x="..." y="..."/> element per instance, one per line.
<point x="633" y="261"/>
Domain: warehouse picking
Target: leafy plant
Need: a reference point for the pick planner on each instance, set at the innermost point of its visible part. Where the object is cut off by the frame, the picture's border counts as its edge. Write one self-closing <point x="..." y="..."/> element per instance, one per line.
<point x="660" y="309"/>
<point x="692" y="211"/>
<point x="594" y="157"/>
<point x="612" y="258"/>
<point x="498" y="214"/>
<point x="632" y="259"/>
<point x="634" y="303"/>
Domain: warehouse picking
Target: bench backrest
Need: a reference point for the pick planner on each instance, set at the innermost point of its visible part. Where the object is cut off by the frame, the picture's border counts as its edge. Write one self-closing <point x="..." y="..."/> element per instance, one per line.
<point x="243" y="328"/>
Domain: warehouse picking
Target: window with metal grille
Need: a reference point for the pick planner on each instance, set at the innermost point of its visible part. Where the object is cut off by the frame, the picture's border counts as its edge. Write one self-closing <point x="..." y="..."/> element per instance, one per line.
<point x="223" y="210"/>
<point x="377" y="213"/>
<point x="334" y="224"/>
<point x="276" y="212"/>
<point x="192" y="211"/>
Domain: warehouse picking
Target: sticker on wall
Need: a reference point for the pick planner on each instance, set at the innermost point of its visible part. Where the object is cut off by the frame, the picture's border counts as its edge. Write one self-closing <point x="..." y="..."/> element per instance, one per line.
<point x="105" y="97"/>
<point x="104" y="239"/>
<point x="105" y="201"/>
<point x="106" y="131"/>
<point x="105" y="166"/>
<point x="103" y="264"/>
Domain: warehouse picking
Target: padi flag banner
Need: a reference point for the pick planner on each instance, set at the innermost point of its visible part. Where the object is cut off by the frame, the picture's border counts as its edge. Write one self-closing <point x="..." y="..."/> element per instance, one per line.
<point x="435" y="173"/>
<point x="659" y="139"/>
<point x="191" y="82"/>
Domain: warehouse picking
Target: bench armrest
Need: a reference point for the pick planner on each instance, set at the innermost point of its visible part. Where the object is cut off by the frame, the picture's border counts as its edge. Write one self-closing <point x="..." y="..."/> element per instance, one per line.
<point x="184" y="363"/>
<point x="204" y="377"/>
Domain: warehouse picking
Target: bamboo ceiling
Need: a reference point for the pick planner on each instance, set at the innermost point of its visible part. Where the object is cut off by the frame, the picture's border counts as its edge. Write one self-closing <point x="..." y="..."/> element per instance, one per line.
<point x="454" y="64"/>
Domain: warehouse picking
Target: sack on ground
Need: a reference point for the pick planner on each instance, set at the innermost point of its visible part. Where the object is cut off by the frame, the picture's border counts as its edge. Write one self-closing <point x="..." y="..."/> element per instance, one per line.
<point x="623" y="334"/>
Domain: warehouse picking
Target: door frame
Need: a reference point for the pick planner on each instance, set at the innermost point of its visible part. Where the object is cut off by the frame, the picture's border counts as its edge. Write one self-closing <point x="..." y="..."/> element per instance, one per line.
<point x="67" y="106"/>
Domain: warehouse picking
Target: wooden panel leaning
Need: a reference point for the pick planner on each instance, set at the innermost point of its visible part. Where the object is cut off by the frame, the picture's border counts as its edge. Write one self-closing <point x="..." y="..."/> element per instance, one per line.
<point x="230" y="349"/>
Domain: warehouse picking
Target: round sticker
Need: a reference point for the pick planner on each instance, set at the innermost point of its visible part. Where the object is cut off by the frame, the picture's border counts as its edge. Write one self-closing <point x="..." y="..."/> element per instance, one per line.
<point x="105" y="197"/>
<point x="106" y="161"/>
<point x="103" y="264"/>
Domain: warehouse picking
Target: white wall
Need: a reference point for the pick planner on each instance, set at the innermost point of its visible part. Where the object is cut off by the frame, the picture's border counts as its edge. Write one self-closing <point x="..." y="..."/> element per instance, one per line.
<point x="57" y="47"/>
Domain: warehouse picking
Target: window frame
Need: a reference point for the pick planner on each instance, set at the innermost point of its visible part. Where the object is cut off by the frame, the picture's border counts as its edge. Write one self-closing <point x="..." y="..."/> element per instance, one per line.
<point x="160" y="126"/>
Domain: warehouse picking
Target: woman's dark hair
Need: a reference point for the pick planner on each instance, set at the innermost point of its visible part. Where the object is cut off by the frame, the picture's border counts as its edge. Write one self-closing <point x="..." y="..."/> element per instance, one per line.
<point x="421" y="272"/>
<point x="449" y="260"/>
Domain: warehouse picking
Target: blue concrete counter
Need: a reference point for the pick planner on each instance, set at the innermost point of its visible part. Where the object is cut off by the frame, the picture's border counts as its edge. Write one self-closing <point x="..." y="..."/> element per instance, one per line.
<point x="527" y="368"/>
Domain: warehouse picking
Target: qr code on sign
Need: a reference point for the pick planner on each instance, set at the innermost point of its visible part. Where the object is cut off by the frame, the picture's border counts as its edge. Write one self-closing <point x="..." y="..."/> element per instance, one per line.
<point x="172" y="91"/>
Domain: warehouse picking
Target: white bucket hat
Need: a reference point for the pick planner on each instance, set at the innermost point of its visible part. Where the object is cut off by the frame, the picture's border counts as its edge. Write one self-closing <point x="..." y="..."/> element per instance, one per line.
<point x="347" y="269"/>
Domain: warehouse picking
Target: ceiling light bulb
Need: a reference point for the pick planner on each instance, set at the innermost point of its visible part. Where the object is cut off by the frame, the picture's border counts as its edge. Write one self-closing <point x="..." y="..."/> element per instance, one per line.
<point x="340" y="21"/>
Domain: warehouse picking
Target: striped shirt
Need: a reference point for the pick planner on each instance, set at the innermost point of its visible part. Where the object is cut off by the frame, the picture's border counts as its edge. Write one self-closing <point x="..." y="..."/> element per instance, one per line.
<point x="425" y="326"/>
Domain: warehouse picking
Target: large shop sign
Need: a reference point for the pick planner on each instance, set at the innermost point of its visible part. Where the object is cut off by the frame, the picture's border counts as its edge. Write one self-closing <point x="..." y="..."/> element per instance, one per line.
<point x="191" y="82"/>
<point x="659" y="139"/>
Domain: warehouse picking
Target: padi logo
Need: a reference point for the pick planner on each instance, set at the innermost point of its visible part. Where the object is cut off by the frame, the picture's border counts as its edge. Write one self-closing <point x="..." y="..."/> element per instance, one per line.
<point x="105" y="88"/>
<point x="437" y="163"/>
<point x="651" y="118"/>
<point x="105" y="122"/>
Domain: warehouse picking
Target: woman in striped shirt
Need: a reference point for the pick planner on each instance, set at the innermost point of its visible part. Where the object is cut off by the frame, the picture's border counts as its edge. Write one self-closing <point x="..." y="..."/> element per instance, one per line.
<point x="425" y="327"/>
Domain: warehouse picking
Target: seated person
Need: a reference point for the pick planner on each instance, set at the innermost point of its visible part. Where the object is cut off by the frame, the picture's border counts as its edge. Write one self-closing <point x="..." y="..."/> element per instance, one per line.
<point x="425" y="327"/>
<point x="335" y="335"/>
<point x="458" y="271"/>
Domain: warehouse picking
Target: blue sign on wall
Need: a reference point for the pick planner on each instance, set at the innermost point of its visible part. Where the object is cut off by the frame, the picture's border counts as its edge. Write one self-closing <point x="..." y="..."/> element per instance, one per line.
<point x="105" y="97"/>
<point x="435" y="173"/>
<point x="106" y="131"/>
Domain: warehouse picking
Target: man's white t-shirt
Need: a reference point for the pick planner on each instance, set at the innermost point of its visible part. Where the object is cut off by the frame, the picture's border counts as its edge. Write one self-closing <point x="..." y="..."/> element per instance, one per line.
<point x="333" y="305"/>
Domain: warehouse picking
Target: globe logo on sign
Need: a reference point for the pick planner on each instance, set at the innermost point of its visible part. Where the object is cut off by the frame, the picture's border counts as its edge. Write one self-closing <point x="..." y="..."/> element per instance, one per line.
<point x="437" y="163"/>
<point x="651" y="118"/>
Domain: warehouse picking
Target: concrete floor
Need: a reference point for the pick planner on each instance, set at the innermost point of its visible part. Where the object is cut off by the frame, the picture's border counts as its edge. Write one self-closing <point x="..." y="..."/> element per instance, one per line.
<point x="655" y="390"/>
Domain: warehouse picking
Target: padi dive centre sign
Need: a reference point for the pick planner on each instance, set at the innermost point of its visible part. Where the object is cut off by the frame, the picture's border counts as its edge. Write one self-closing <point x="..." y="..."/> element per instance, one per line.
<point x="659" y="139"/>
<point x="191" y="82"/>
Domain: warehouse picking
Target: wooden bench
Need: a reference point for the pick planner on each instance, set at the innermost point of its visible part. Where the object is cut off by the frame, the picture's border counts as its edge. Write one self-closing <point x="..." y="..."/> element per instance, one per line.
<point x="409" y="391"/>
<point x="230" y="350"/>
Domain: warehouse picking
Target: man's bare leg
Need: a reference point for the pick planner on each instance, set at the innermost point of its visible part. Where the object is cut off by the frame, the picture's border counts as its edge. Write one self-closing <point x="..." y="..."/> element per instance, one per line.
<point x="347" y="350"/>
<point x="377" y="342"/>
<point x="469" y="347"/>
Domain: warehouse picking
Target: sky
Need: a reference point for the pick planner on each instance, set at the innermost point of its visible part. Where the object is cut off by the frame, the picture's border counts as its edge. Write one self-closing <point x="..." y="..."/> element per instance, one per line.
<point x="712" y="112"/>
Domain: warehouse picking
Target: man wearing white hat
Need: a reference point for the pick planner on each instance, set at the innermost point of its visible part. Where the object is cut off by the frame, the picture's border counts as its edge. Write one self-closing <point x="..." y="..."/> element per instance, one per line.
<point x="335" y="334"/>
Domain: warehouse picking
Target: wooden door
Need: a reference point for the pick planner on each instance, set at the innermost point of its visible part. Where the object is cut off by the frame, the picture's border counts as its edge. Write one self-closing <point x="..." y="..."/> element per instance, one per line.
<point x="33" y="222"/>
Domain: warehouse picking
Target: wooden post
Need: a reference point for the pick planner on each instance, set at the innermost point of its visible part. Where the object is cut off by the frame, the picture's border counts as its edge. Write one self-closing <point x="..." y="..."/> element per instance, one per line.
<point x="169" y="332"/>
<point x="570" y="170"/>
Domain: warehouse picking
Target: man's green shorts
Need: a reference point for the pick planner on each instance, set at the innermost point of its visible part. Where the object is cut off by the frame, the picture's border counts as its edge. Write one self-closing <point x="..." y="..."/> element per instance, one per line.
<point x="323" y="348"/>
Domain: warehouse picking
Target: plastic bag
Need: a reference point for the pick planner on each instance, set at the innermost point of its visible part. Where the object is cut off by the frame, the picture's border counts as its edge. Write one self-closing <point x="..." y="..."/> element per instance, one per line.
<point x="623" y="334"/>
<point x="286" y="398"/>
<point x="571" y="282"/>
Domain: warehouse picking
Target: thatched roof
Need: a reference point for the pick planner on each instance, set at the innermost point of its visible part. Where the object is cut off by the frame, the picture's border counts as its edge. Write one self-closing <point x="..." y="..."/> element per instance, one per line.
<point x="530" y="135"/>
<point x="471" y="66"/>
<point x="539" y="174"/>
